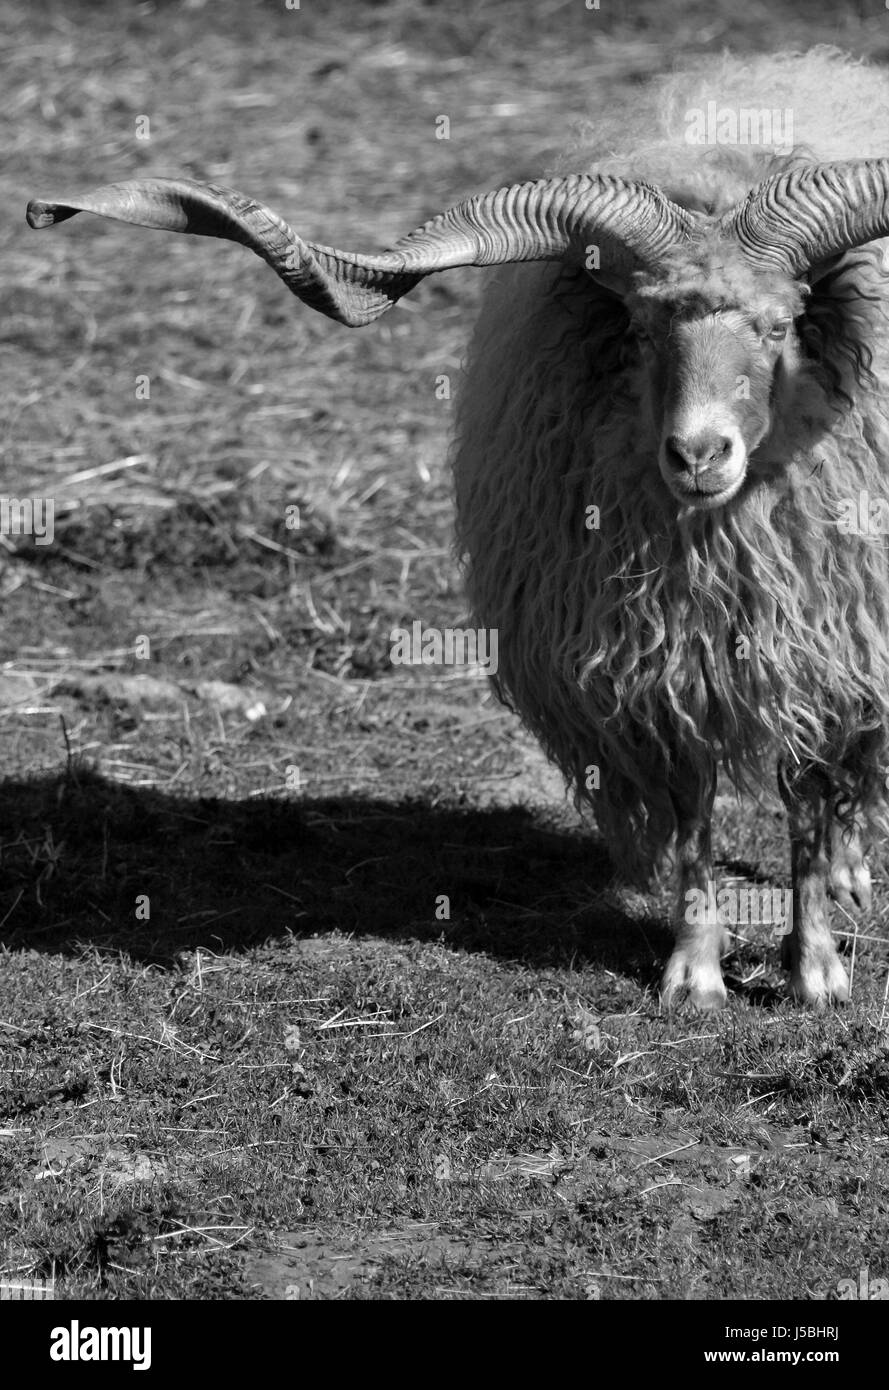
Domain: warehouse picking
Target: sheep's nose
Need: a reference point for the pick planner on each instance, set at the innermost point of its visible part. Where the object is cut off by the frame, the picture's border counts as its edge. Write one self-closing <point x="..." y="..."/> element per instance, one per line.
<point x="697" y="452"/>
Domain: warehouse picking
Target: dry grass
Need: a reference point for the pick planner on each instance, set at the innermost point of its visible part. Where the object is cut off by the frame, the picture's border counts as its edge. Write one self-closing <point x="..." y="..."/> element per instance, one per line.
<point x="294" y="1059"/>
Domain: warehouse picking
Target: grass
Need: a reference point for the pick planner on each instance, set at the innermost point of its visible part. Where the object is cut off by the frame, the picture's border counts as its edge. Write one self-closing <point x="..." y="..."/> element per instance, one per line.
<point x="313" y="985"/>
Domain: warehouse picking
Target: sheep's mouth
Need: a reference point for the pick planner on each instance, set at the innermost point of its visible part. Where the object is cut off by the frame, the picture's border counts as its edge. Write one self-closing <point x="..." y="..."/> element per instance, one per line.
<point x="707" y="501"/>
<point x="703" y="492"/>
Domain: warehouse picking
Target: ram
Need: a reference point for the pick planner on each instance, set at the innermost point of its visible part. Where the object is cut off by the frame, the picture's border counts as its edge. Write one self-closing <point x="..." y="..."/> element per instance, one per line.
<point x="671" y="459"/>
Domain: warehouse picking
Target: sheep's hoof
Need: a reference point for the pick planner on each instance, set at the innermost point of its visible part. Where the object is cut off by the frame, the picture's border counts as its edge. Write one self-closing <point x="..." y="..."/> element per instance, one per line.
<point x="819" y="980"/>
<point x="692" y="982"/>
<point x="850" y="879"/>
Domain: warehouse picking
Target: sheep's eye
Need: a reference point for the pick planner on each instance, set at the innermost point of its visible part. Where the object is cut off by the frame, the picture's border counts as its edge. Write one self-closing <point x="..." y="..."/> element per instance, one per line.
<point x="778" y="331"/>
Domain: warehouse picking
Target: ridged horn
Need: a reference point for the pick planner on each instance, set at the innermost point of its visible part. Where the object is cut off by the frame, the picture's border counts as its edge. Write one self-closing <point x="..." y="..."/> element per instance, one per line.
<point x="802" y="218"/>
<point x="632" y="225"/>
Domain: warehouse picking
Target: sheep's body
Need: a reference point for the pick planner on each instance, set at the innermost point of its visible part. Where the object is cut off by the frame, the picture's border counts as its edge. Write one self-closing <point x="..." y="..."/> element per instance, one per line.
<point x="632" y="640"/>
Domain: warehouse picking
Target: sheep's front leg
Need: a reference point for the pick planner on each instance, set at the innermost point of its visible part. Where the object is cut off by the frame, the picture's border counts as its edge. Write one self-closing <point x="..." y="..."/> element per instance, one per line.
<point x="694" y="975"/>
<point x="817" y="975"/>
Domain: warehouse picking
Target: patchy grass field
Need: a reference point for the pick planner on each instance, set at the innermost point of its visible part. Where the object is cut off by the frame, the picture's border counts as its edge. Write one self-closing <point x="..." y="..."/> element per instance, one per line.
<point x="245" y="1053"/>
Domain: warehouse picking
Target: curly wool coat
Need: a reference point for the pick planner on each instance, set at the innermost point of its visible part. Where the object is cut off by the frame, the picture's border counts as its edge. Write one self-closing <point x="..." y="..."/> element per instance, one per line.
<point x="640" y="640"/>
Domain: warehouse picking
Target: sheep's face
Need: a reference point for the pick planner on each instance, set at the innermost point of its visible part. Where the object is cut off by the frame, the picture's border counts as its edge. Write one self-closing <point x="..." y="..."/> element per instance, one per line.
<point x="713" y="372"/>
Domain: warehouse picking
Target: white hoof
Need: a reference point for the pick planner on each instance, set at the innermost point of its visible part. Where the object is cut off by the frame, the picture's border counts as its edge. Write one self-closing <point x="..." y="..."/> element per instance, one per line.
<point x="692" y="981"/>
<point x="819" y="979"/>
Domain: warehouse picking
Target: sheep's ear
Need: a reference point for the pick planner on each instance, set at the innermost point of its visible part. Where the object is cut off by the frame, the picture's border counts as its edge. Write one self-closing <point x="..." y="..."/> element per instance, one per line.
<point x="823" y="268"/>
<point x="617" y="289"/>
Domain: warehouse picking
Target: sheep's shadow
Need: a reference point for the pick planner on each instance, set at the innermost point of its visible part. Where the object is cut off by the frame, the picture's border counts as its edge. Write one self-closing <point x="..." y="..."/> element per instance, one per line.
<point x="82" y="858"/>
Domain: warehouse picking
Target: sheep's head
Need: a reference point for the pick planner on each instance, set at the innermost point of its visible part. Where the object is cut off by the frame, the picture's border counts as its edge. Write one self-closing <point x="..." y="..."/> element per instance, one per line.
<point x="714" y="298"/>
<point x="717" y="346"/>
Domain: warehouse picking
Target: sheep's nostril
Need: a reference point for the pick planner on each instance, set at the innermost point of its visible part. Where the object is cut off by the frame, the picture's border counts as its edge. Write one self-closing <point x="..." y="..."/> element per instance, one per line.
<point x="715" y="449"/>
<point x="675" y="453"/>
